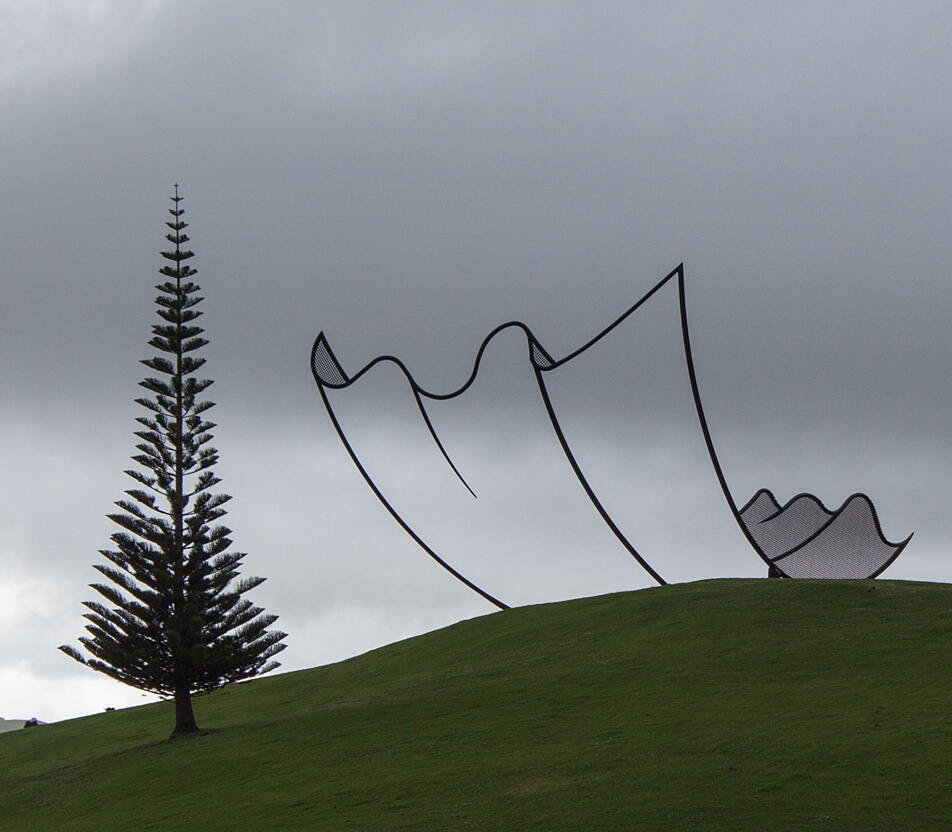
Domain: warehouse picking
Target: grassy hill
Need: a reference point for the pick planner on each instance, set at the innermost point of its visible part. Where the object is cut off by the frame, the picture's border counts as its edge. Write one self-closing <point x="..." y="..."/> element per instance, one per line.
<point x="768" y="705"/>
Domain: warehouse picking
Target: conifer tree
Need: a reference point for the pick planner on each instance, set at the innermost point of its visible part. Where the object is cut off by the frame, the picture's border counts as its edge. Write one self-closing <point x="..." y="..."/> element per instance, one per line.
<point x="179" y="623"/>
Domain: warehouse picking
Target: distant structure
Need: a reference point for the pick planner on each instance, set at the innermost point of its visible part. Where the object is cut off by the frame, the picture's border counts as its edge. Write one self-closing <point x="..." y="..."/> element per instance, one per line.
<point x="17" y="724"/>
<point x="802" y="539"/>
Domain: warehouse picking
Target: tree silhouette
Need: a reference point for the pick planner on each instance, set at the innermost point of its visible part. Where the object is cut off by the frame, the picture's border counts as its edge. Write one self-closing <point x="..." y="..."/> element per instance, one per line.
<point x="180" y="624"/>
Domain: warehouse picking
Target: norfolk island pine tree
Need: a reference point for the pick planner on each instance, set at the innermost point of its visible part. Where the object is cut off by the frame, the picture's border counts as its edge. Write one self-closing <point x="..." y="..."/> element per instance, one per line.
<point x="179" y="623"/>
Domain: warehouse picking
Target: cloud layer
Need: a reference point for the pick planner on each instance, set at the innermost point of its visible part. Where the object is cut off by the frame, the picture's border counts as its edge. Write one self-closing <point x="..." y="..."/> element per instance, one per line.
<point x="408" y="177"/>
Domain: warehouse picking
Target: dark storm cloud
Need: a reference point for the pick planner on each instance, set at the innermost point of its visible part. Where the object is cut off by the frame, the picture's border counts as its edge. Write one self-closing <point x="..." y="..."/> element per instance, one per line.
<point x="548" y="166"/>
<point x="408" y="176"/>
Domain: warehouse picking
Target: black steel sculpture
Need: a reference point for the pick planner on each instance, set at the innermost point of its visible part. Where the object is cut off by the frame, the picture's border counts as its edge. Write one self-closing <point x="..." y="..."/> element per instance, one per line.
<point x="802" y="539"/>
<point x="847" y="543"/>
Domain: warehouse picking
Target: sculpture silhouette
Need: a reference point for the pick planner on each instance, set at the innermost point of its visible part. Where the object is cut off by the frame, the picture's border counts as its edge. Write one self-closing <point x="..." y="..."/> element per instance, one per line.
<point x="801" y="539"/>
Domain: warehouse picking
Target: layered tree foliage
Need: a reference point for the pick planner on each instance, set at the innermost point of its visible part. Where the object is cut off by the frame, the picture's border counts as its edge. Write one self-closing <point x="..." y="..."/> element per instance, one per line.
<point x="176" y="621"/>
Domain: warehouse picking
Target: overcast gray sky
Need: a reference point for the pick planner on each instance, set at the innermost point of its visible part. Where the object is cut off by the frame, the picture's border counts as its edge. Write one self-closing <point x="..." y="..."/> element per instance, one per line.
<point x="406" y="176"/>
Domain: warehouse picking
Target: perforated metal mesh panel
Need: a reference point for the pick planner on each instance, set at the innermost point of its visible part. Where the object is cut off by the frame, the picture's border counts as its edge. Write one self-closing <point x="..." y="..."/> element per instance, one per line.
<point x="806" y="540"/>
<point x="540" y="358"/>
<point x="838" y="553"/>
<point x="326" y="367"/>
<point x="803" y="538"/>
<point x="778" y="533"/>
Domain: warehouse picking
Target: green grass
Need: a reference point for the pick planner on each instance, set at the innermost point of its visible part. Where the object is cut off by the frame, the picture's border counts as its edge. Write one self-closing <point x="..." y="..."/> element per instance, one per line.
<point x="721" y="705"/>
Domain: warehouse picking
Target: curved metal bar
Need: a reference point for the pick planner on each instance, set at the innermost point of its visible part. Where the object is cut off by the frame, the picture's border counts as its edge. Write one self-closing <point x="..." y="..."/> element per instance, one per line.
<point x="896" y="554"/>
<point x="859" y="495"/>
<point x="541" y="362"/>
<point x="393" y="512"/>
<point x="429" y="393"/>
<point x="834" y="516"/>
<point x="706" y="431"/>
<point x="753" y="499"/>
<point x="530" y="337"/>
<point x="328" y="373"/>
<point x="679" y="270"/>
<point x="585" y="485"/>
<point x="772" y="562"/>
<point x="803" y="494"/>
<point x="323" y="348"/>
<point x="439" y="444"/>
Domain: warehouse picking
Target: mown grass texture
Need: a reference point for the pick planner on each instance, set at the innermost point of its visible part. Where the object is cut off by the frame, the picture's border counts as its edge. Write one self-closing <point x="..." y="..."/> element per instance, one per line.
<point x="718" y="705"/>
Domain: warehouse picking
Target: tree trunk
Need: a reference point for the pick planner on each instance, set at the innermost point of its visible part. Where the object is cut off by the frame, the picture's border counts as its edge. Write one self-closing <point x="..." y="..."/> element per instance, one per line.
<point x="184" y="718"/>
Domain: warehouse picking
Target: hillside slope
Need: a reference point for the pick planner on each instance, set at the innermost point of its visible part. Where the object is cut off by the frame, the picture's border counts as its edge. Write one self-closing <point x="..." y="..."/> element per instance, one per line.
<point x="715" y="705"/>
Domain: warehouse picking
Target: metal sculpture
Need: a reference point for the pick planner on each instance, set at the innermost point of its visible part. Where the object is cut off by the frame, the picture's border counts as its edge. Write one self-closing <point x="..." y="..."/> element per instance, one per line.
<point x="802" y="539"/>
